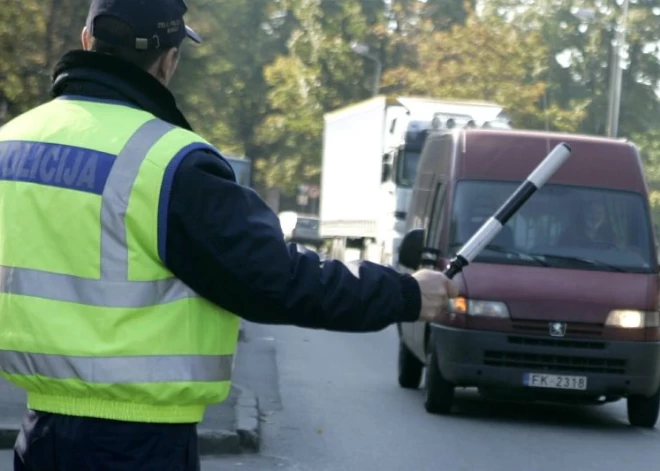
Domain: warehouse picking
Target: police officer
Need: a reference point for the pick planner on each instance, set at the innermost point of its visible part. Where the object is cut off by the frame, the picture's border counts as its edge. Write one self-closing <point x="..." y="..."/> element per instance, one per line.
<point x="128" y="254"/>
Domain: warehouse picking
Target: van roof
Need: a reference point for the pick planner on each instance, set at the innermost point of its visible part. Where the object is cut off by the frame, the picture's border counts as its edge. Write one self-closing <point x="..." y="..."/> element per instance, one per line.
<point x="514" y="154"/>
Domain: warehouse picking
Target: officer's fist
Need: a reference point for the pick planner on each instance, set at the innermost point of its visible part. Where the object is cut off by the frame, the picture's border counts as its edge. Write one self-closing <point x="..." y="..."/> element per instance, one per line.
<point x="436" y="291"/>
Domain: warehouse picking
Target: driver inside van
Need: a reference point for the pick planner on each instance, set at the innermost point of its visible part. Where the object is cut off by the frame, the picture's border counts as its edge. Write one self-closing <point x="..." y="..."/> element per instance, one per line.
<point x="591" y="227"/>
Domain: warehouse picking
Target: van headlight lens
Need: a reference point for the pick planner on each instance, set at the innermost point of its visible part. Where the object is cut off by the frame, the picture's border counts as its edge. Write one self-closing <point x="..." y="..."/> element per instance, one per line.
<point x="478" y="308"/>
<point x="632" y="319"/>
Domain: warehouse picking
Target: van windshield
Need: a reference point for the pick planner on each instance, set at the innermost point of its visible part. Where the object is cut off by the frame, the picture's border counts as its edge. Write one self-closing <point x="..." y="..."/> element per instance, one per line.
<point x="559" y="226"/>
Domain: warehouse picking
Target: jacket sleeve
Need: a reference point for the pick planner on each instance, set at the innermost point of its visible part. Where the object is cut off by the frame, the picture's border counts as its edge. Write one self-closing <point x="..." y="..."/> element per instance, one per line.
<point x="223" y="241"/>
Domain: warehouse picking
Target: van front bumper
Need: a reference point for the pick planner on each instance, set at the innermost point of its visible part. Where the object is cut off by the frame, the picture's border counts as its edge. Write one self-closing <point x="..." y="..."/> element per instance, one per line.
<point x="502" y="360"/>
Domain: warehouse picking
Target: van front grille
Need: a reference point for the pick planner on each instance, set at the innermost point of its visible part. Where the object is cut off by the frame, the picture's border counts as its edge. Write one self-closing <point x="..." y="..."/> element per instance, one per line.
<point x="560" y="363"/>
<point x="557" y="343"/>
<point x="573" y="329"/>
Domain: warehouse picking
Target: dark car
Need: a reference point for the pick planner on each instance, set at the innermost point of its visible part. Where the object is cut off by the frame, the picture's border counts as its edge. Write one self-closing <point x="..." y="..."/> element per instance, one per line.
<point x="301" y="228"/>
<point x="563" y="305"/>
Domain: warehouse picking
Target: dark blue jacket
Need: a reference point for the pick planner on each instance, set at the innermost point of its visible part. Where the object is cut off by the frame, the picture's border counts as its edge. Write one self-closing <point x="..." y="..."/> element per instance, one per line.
<point x="224" y="242"/>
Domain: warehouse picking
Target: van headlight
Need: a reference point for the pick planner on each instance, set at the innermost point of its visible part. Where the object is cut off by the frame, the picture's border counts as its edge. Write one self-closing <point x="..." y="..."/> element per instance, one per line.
<point x="632" y="319"/>
<point x="478" y="308"/>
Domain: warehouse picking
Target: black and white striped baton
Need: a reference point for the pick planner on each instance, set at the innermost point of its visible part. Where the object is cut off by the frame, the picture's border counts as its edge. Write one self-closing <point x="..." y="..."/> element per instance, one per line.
<point x="493" y="226"/>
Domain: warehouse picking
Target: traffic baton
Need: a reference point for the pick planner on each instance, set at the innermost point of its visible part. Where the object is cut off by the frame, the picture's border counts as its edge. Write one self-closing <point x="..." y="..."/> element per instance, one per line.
<point x="493" y="226"/>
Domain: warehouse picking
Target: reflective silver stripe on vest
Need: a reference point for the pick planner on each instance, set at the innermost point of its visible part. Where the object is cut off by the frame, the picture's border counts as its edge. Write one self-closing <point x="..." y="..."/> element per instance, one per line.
<point x="147" y="369"/>
<point x="114" y="249"/>
<point x="126" y="294"/>
<point x="113" y="289"/>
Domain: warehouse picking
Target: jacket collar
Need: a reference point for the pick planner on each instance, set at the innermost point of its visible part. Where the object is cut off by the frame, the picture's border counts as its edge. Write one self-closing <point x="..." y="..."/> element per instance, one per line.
<point x="94" y="75"/>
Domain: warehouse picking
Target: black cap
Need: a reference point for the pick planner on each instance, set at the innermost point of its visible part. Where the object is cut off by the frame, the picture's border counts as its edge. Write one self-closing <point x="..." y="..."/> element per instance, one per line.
<point x="140" y="24"/>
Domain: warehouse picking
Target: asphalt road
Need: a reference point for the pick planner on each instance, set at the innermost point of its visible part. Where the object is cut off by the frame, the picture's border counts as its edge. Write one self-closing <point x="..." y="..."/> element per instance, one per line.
<point x="332" y="403"/>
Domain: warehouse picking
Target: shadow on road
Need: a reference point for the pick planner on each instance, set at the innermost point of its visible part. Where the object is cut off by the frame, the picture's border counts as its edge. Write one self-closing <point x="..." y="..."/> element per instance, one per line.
<point x="470" y="405"/>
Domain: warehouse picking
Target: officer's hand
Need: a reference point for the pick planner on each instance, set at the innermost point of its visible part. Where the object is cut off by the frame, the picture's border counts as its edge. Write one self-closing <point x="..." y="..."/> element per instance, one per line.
<point x="436" y="291"/>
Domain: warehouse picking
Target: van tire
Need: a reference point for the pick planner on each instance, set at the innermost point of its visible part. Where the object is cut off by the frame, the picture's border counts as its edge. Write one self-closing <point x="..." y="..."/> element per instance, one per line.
<point x="643" y="411"/>
<point x="439" y="397"/>
<point x="410" y="369"/>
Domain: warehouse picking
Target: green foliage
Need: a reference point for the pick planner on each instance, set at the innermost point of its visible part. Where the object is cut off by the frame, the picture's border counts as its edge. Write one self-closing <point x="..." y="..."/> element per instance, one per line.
<point x="220" y="83"/>
<point x="33" y="34"/>
<point x="487" y="59"/>
<point x="649" y="147"/>
<point x="319" y="73"/>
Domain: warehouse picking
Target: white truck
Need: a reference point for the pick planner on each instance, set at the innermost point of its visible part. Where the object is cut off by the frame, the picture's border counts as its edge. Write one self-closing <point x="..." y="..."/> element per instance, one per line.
<point x="371" y="152"/>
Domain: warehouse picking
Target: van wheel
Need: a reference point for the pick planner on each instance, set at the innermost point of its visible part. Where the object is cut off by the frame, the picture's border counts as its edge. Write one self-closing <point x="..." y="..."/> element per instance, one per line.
<point x="439" y="397"/>
<point x="410" y="368"/>
<point x="643" y="411"/>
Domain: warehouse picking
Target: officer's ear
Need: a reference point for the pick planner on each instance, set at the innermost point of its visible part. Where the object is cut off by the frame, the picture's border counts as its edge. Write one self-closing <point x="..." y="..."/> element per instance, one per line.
<point x="165" y="66"/>
<point x="86" y="39"/>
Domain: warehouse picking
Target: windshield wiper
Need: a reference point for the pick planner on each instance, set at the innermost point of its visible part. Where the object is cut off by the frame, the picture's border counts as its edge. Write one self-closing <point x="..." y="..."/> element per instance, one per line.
<point x="507" y="251"/>
<point x="588" y="261"/>
<point x="522" y="255"/>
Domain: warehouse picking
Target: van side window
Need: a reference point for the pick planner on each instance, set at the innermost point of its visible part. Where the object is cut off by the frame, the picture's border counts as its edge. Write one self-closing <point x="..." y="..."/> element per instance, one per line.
<point x="437" y="218"/>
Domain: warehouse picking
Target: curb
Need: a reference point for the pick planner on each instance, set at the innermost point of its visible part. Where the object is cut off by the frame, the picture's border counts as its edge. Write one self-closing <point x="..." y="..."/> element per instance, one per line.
<point x="245" y="439"/>
<point x="248" y="420"/>
<point x="247" y="436"/>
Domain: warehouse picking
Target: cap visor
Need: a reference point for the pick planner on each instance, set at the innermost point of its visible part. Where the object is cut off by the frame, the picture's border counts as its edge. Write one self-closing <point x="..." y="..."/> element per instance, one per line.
<point x="193" y="35"/>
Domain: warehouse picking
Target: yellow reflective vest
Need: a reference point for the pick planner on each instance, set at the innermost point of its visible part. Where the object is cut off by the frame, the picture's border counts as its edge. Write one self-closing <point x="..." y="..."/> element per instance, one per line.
<point x="92" y="323"/>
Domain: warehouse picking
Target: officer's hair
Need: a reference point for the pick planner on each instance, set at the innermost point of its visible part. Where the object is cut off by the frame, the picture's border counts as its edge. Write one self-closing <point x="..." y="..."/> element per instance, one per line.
<point x="117" y="28"/>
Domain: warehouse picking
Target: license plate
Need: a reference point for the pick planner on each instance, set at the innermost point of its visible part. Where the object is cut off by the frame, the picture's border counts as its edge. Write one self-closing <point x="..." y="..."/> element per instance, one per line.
<point x="541" y="380"/>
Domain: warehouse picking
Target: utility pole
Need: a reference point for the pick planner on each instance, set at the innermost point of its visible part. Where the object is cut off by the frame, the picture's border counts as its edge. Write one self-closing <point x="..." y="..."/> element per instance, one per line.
<point x="363" y="50"/>
<point x="588" y="16"/>
<point x="617" y="74"/>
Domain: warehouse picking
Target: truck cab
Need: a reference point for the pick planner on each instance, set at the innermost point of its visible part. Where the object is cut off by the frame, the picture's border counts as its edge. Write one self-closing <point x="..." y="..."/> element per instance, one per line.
<point x="563" y="304"/>
<point x="370" y="156"/>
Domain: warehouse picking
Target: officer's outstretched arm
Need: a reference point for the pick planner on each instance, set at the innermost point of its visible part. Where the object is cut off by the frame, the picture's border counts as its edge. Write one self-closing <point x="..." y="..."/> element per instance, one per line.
<point x="224" y="242"/>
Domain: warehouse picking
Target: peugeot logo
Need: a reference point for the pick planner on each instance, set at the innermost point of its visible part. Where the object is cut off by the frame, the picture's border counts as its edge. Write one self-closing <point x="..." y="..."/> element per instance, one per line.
<point x="557" y="329"/>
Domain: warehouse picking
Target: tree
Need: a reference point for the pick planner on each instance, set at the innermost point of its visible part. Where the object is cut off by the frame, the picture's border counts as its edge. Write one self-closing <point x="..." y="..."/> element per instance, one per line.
<point x="318" y="74"/>
<point x="40" y="32"/>
<point x="579" y="50"/>
<point x="444" y="14"/>
<point x="649" y="146"/>
<point x="486" y="59"/>
<point x="221" y="84"/>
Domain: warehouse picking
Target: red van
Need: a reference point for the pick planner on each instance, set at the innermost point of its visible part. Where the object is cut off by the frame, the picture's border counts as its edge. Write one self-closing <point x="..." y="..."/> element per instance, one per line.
<point x="563" y="305"/>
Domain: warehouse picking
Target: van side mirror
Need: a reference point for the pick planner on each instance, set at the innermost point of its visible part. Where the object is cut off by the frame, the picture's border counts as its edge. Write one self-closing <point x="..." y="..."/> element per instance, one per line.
<point x="410" y="250"/>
